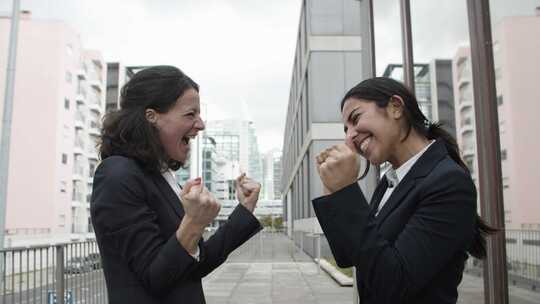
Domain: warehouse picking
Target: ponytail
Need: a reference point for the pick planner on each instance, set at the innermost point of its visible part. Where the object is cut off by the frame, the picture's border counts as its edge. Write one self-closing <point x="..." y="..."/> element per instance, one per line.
<point x="381" y="90"/>
<point x="478" y="246"/>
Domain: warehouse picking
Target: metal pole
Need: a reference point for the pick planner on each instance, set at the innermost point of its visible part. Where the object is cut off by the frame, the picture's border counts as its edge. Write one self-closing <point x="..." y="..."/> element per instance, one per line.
<point x="60" y="282"/>
<point x="6" y="120"/>
<point x="368" y="39"/>
<point x="6" y="125"/>
<point x="369" y="183"/>
<point x="406" y="37"/>
<point x="488" y="145"/>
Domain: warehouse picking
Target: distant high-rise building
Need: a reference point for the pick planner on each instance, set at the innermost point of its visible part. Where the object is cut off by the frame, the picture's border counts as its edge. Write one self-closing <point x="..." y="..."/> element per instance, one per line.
<point x="278" y="171"/>
<point x="58" y="103"/>
<point x="271" y="183"/>
<point x="236" y="140"/>
<point x="434" y="91"/>
<point x="117" y="76"/>
<point x="517" y="70"/>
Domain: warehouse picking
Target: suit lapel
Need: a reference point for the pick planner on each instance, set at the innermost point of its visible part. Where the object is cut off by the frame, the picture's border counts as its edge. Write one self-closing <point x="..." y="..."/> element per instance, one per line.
<point x="378" y="194"/>
<point x="396" y="197"/>
<point x="171" y="197"/>
<point x="421" y="168"/>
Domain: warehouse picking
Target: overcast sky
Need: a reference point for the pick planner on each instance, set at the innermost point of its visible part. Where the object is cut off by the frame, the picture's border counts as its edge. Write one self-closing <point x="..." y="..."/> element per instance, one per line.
<point x="241" y="51"/>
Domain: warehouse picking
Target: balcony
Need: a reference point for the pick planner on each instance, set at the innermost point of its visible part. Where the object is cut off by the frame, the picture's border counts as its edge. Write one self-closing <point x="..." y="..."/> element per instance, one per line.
<point x="78" y="172"/>
<point x="81" y="92"/>
<point x="96" y="84"/>
<point x="81" y="73"/>
<point x="78" y="148"/>
<point x="94" y="105"/>
<point x="468" y="151"/>
<point x="466" y="124"/>
<point x="78" y="196"/>
<point x="80" y="119"/>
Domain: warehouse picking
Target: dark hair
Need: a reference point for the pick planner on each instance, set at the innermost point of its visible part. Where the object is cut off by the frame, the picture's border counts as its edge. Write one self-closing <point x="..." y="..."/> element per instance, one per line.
<point x="380" y="90"/>
<point x="127" y="132"/>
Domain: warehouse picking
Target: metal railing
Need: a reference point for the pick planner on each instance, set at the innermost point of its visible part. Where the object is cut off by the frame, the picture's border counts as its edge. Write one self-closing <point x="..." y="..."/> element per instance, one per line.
<point x="38" y="274"/>
<point x="523" y="259"/>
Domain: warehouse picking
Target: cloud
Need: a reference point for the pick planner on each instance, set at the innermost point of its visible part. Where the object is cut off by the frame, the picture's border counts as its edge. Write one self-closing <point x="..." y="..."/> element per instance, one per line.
<point x="239" y="51"/>
<point x="438" y="27"/>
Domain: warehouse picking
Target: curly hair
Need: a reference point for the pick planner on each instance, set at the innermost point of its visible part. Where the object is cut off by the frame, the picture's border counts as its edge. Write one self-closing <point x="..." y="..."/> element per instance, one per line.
<point x="127" y="132"/>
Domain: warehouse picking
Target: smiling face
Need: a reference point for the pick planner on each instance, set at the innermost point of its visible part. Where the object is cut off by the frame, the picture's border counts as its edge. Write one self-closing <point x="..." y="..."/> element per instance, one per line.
<point x="179" y="125"/>
<point x="372" y="131"/>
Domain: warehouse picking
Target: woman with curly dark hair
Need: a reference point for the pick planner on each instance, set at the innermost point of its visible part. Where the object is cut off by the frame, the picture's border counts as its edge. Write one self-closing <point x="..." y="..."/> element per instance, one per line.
<point x="149" y="229"/>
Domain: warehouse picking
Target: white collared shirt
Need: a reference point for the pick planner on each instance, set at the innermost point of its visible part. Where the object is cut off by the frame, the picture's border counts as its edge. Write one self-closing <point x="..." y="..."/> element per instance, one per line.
<point x="394" y="176"/>
<point x="170" y="177"/>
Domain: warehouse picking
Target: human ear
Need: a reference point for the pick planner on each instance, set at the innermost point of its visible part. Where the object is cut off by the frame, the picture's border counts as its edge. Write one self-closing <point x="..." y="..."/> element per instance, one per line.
<point x="151" y="115"/>
<point x="396" y="106"/>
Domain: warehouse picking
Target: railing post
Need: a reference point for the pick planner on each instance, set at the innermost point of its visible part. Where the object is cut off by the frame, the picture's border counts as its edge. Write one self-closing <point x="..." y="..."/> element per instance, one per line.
<point x="318" y="252"/>
<point x="60" y="283"/>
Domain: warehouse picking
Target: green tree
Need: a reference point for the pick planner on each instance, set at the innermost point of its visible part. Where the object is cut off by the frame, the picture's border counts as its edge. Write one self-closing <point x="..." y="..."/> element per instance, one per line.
<point x="278" y="223"/>
<point x="266" y="221"/>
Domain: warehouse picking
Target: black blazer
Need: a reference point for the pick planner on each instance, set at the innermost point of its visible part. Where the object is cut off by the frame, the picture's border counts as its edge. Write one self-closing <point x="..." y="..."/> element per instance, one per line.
<point x="135" y="216"/>
<point x="414" y="251"/>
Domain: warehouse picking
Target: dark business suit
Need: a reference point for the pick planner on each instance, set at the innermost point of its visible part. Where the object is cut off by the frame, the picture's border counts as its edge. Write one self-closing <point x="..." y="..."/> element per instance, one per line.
<point x="135" y="216"/>
<point x="414" y="251"/>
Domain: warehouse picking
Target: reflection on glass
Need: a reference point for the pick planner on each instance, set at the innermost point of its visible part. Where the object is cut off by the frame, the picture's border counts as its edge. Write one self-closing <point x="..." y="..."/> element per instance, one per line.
<point x="443" y="84"/>
<point x="516" y="41"/>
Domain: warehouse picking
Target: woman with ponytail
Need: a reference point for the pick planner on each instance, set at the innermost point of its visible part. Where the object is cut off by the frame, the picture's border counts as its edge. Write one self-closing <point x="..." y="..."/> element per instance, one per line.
<point x="410" y="243"/>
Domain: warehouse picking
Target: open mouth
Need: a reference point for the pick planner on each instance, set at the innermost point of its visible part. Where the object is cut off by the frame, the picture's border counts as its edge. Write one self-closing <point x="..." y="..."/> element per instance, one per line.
<point x="187" y="138"/>
<point x="364" y="144"/>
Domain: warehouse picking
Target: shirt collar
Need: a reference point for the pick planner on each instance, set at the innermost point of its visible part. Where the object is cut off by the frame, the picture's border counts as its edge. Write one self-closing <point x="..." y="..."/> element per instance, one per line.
<point x="394" y="176"/>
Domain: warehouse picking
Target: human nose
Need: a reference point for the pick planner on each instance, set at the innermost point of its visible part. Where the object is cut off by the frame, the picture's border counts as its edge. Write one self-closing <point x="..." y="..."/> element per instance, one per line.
<point x="199" y="124"/>
<point x="349" y="138"/>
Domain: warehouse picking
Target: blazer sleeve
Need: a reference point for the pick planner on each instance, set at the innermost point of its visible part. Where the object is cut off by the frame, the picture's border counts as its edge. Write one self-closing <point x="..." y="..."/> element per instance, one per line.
<point x="442" y="225"/>
<point x="240" y="227"/>
<point x="123" y="220"/>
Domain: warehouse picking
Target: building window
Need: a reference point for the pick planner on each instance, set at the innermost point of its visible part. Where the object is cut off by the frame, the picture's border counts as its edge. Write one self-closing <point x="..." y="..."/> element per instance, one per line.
<point x="64" y="158"/>
<point x="503" y="154"/>
<point x="505" y="183"/>
<point x="66" y="104"/>
<point x="63" y="186"/>
<point x="68" y="76"/>
<point x="499" y="100"/>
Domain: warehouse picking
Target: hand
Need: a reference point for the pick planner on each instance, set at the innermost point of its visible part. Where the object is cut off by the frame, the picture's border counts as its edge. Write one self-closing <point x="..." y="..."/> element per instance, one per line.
<point x="200" y="209"/>
<point x="338" y="167"/>
<point x="247" y="191"/>
<point x="199" y="204"/>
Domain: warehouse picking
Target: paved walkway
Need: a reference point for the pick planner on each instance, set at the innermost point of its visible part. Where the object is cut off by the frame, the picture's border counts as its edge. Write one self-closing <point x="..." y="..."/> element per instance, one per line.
<point x="471" y="290"/>
<point x="270" y="270"/>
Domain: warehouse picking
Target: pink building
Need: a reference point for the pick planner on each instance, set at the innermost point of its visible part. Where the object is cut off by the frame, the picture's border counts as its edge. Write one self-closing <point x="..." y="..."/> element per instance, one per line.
<point x="517" y="69"/>
<point x="57" y="108"/>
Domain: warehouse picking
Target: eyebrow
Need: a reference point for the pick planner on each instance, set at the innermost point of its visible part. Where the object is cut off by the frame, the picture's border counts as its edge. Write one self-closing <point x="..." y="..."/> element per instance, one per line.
<point x="192" y="108"/>
<point x="349" y="119"/>
<point x="351" y="114"/>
